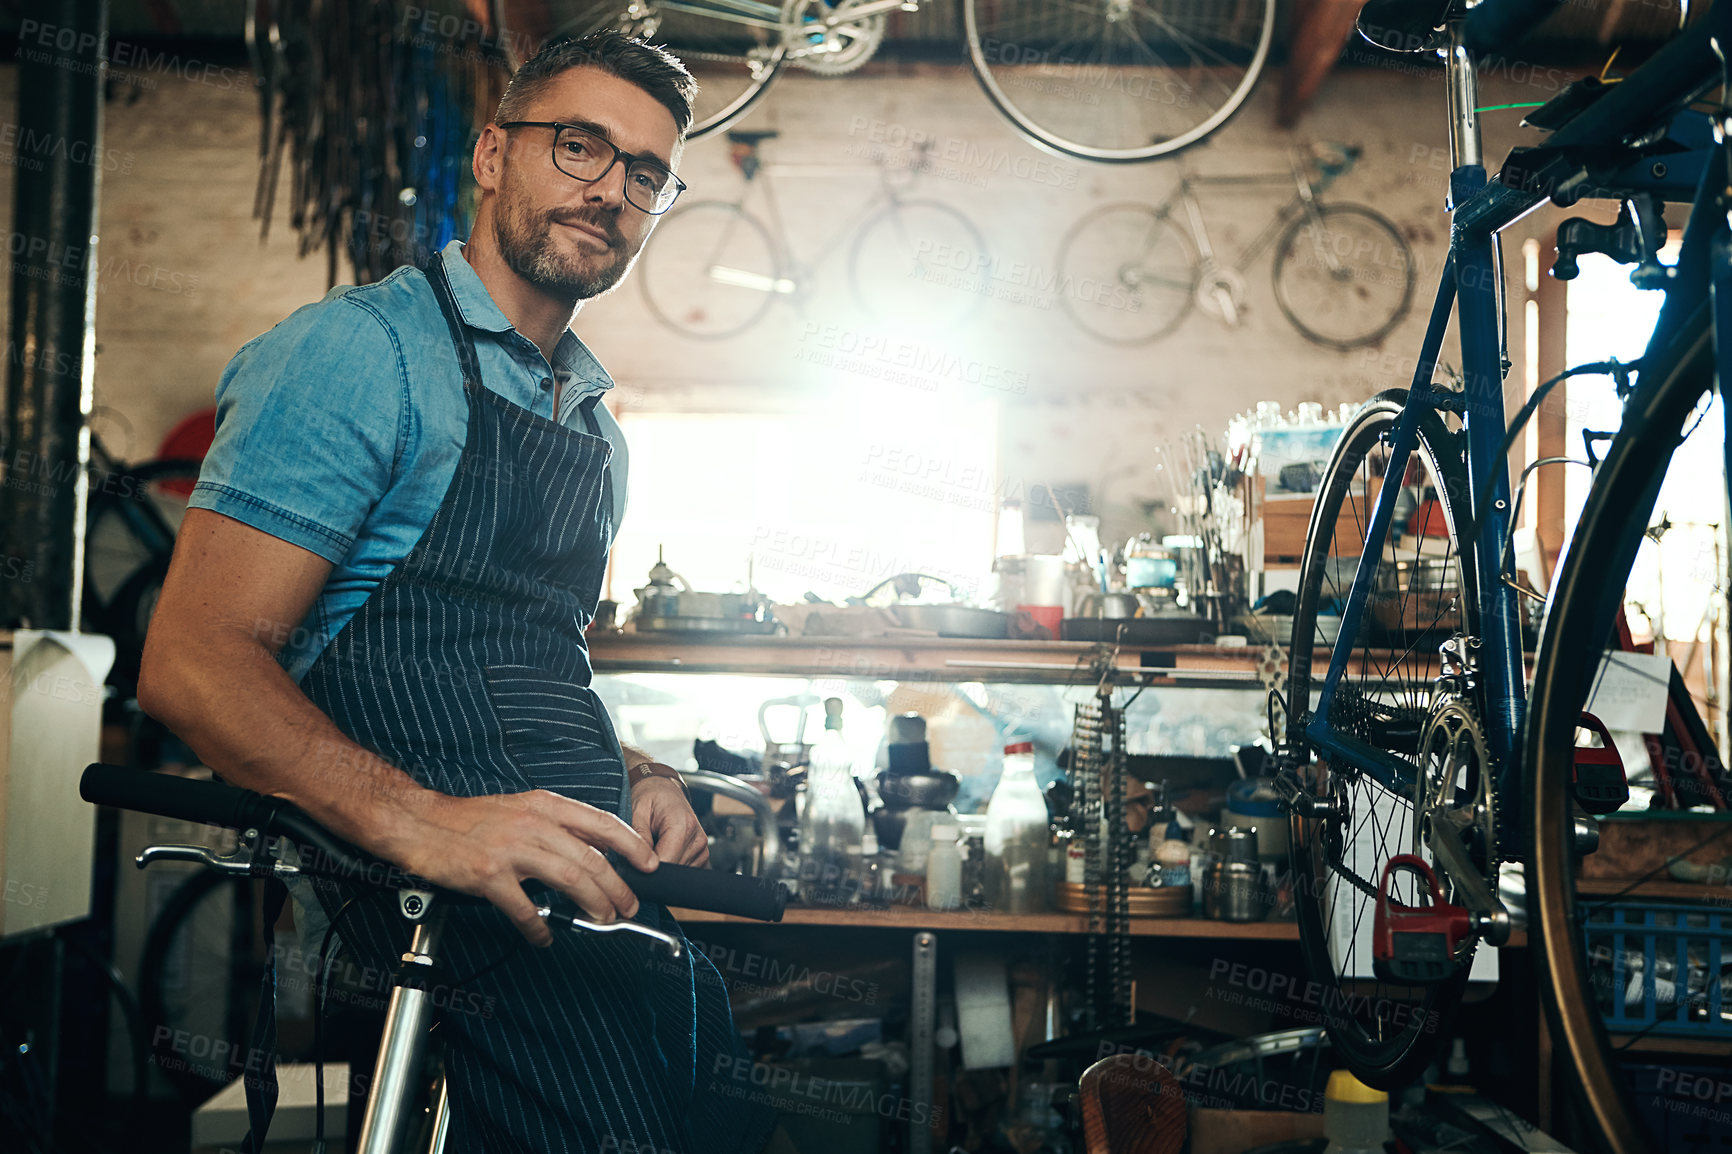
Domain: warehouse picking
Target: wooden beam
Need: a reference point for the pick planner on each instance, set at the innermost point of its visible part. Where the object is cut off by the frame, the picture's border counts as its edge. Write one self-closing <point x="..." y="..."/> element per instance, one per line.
<point x="1320" y="30"/>
<point x="1549" y="423"/>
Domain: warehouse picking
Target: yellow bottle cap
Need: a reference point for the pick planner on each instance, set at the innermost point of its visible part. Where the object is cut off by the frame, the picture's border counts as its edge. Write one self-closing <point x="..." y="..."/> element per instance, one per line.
<point x="1344" y="1087"/>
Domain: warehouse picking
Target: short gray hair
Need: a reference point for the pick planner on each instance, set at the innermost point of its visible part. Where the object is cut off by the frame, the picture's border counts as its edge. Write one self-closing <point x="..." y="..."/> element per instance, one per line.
<point x="651" y="67"/>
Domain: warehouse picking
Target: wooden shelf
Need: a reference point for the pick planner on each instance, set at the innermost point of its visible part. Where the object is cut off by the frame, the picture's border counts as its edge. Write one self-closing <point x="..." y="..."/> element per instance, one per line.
<point x="915" y="658"/>
<point x="914" y="918"/>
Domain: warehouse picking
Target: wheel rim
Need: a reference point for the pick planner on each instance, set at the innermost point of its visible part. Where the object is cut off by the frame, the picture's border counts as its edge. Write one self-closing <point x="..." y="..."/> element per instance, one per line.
<point x="1117" y="80"/>
<point x="1344" y="277"/>
<point x="916" y="264"/>
<point x="1130" y="274"/>
<point x="1383" y="1030"/>
<point x="733" y="63"/>
<point x="1581" y="615"/>
<point x="704" y="269"/>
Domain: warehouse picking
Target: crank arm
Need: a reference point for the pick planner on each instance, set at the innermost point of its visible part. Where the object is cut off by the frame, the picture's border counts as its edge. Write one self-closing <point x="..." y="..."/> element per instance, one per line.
<point x="848" y="13"/>
<point x="672" y="944"/>
<point x="1490" y="916"/>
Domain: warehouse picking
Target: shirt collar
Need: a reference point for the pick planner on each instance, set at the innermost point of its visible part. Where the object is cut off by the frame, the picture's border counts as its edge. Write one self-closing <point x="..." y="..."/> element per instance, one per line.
<point x="478" y="310"/>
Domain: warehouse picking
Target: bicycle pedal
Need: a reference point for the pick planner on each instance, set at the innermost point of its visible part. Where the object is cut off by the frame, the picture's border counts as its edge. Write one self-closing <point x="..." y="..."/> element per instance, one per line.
<point x="1600" y="784"/>
<point x="1416" y="945"/>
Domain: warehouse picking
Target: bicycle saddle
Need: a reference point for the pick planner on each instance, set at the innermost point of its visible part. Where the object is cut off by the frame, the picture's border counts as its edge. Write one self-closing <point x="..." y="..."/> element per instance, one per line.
<point x="750" y="138"/>
<point x="1407" y="25"/>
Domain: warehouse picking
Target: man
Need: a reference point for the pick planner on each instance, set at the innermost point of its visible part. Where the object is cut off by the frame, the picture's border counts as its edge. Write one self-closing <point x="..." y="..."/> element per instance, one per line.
<point x="377" y="603"/>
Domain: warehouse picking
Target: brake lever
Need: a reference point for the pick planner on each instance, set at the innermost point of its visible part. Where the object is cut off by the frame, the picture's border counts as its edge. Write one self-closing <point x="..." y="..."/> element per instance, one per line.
<point x="237" y="864"/>
<point x="672" y="944"/>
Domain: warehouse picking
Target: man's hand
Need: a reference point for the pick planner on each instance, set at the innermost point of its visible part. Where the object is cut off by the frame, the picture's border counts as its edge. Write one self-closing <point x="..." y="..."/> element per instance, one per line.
<point x="488" y="846"/>
<point x="662" y="816"/>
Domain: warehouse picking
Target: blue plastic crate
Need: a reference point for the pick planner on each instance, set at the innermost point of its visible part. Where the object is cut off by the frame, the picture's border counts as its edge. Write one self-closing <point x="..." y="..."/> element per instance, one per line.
<point x="1656" y="968"/>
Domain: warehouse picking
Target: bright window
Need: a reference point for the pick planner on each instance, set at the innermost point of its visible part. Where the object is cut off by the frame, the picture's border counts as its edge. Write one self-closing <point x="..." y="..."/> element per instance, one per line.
<point x="829" y="501"/>
<point x="1672" y="582"/>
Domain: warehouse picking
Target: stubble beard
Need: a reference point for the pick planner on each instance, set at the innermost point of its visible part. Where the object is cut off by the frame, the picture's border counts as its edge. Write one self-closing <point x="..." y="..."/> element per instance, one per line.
<point x="528" y="244"/>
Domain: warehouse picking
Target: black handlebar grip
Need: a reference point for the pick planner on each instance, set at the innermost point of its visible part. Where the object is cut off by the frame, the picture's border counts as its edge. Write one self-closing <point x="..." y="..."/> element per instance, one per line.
<point x="702" y="889"/>
<point x="1496" y="26"/>
<point x="204" y="802"/>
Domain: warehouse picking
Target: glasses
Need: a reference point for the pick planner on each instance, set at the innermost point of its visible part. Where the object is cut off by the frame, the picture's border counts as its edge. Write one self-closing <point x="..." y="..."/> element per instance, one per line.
<point x="586" y="156"/>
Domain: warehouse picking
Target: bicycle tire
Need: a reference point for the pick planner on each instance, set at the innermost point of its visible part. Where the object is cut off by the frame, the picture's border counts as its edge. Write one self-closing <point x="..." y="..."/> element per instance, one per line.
<point x="1367" y="1029"/>
<point x="903" y="265"/>
<point x="1589" y="589"/>
<point x="735" y="64"/>
<point x="1145" y="266"/>
<point x="184" y="1067"/>
<point x="1019" y="50"/>
<point x="675" y="271"/>
<point x="1369" y="316"/>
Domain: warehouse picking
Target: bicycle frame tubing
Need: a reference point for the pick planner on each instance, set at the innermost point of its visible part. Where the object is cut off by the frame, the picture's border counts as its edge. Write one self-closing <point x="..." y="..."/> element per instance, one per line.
<point x="888" y="195"/>
<point x="758" y="15"/>
<point x="1680" y="72"/>
<point x="1303" y="200"/>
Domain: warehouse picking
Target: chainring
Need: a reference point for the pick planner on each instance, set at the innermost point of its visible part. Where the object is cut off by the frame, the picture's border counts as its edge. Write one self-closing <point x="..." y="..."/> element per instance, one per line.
<point x="835" y="51"/>
<point x="1453" y="757"/>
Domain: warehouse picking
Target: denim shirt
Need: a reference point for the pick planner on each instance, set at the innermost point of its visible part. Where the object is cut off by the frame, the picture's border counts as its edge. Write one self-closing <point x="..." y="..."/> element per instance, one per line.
<point x="339" y="430"/>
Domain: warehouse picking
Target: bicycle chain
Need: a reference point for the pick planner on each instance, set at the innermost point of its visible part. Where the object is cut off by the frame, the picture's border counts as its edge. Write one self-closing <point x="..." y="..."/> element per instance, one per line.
<point x="1085" y="764"/>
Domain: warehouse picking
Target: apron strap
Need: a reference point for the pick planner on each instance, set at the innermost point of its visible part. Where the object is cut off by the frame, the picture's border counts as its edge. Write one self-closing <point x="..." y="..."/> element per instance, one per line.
<point x="460" y="338"/>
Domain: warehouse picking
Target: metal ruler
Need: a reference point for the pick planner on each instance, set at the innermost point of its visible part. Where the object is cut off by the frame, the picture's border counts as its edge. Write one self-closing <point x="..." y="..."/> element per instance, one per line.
<point x="922" y="1023"/>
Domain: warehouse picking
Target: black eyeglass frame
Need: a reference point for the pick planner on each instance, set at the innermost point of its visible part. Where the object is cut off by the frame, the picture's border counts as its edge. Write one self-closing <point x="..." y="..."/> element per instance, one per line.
<point x="619" y="154"/>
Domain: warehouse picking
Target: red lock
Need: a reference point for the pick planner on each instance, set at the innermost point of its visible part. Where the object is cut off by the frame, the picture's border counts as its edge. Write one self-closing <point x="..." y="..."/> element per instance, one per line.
<point x="1416" y="945"/>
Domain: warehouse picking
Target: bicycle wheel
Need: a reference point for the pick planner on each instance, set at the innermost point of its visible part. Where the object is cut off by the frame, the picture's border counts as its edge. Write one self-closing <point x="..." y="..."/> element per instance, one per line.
<point x="1128" y="273"/>
<point x="916" y="265"/>
<point x="1384" y="1032"/>
<point x="733" y="62"/>
<point x="1344" y="277"/>
<point x="193" y="981"/>
<point x="1578" y="986"/>
<point x="710" y="271"/>
<point x="1117" y="80"/>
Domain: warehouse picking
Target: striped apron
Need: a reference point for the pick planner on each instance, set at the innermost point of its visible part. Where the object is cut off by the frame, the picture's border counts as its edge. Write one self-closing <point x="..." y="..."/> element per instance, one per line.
<point x="467" y="668"/>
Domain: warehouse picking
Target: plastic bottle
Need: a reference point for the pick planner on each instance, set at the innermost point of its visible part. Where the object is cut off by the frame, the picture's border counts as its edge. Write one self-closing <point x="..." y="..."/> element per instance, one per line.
<point x="1355" y="1117"/>
<point x="1173" y="855"/>
<point x="833" y="822"/>
<point x="1017" y="881"/>
<point x="944" y="869"/>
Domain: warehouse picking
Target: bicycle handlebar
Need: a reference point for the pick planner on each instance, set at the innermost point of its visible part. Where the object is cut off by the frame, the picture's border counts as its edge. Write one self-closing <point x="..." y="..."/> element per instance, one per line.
<point x="214" y="803"/>
<point x="1496" y="26"/>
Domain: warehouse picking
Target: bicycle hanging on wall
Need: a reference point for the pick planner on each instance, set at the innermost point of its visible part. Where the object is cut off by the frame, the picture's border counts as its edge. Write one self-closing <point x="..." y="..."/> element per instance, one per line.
<point x="1104" y="80"/>
<point x="714" y="269"/>
<point x="1343" y="275"/>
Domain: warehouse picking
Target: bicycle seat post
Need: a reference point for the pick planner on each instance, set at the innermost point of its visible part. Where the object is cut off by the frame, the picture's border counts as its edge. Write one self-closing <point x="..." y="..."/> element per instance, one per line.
<point x="1462" y="80"/>
<point x="403" y="1046"/>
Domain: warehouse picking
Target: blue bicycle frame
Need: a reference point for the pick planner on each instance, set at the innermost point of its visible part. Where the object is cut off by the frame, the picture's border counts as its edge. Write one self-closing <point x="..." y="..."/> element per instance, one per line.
<point x="1694" y="169"/>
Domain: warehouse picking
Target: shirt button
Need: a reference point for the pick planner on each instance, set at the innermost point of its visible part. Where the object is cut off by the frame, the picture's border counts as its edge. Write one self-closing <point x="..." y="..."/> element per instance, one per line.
<point x="546" y="383"/>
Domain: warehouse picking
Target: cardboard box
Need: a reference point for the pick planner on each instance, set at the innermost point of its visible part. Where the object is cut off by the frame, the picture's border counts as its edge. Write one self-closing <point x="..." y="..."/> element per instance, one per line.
<point x="1235" y="1131"/>
<point x="1287" y="521"/>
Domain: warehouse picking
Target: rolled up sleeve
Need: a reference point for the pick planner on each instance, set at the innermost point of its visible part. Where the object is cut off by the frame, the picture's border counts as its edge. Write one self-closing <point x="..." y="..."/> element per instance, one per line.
<point x="311" y="421"/>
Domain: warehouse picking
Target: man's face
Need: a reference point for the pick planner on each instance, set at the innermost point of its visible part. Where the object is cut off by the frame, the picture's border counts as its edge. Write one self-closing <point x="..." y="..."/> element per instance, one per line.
<point x="568" y="238"/>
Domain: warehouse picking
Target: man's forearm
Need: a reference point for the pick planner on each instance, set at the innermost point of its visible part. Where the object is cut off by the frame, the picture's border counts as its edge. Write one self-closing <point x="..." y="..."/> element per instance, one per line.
<point x="246" y="718"/>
